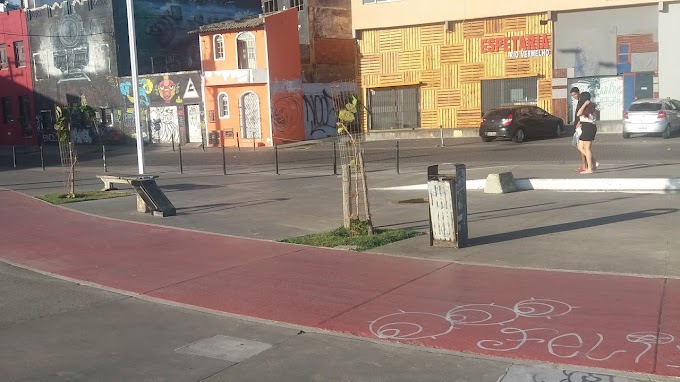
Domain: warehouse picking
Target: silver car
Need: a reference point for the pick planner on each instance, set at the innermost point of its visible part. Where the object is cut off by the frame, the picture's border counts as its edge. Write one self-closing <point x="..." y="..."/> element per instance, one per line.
<point x="652" y="116"/>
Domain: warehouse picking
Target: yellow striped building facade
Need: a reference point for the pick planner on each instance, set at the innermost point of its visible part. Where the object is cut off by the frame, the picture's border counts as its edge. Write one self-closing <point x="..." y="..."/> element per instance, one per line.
<point x="448" y="62"/>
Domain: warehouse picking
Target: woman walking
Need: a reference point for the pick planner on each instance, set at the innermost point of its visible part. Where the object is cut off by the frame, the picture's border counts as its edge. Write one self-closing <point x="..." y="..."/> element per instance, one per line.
<point x="586" y="115"/>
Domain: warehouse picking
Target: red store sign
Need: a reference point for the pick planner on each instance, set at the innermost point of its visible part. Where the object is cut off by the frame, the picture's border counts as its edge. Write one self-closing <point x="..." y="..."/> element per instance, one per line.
<point x="516" y="43"/>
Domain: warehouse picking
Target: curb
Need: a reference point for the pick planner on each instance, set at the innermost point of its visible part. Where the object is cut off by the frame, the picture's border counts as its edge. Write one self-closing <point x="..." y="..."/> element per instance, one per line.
<point x="591" y="185"/>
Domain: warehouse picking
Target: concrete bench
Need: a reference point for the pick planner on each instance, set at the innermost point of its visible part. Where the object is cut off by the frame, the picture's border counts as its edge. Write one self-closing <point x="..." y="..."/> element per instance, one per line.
<point x="122" y="179"/>
<point x="150" y="198"/>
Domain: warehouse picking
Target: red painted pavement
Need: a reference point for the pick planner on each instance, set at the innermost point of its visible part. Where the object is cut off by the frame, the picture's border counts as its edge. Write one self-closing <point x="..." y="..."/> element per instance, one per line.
<point x="602" y="321"/>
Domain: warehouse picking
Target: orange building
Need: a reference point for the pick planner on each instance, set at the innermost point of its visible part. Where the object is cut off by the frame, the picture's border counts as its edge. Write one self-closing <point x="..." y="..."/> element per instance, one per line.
<point x="253" y="80"/>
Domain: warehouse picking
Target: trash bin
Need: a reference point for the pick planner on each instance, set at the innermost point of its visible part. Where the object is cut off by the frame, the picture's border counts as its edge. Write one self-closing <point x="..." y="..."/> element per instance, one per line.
<point x="448" y="207"/>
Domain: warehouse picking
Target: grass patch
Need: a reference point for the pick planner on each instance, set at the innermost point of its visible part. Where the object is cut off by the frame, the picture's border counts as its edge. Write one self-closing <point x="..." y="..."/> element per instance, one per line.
<point x="82" y="197"/>
<point x="356" y="236"/>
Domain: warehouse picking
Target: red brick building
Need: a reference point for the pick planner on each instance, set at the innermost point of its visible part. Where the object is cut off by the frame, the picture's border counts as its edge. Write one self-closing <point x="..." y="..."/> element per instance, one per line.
<point x="17" y="122"/>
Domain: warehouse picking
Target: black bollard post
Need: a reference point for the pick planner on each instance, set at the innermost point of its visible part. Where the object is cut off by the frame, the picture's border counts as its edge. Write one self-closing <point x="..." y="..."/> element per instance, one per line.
<point x="398" y="170"/>
<point x="276" y="158"/>
<point x="42" y="158"/>
<point x="224" y="157"/>
<point x="253" y="142"/>
<point x="238" y="142"/>
<point x="181" y="165"/>
<point x="335" y="159"/>
<point x="104" y="158"/>
<point x="14" y="156"/>
<point x="173" y="142"/>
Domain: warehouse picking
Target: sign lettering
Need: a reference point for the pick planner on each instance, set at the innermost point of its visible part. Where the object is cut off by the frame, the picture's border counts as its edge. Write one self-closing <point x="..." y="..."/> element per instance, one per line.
<point x="527" y="46"/>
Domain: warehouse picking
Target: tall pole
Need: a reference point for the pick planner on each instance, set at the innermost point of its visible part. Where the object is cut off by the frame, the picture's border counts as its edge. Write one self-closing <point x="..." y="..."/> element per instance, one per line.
<point x="135" y="84"/>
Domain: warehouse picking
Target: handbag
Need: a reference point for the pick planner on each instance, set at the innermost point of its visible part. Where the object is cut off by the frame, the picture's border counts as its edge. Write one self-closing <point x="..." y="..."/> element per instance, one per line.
<point x="574" y="139"/>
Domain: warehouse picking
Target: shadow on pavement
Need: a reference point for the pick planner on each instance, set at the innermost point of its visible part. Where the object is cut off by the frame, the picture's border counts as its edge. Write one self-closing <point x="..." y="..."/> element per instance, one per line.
<point x="564" y="227"/>
<point x="207" y="208"/>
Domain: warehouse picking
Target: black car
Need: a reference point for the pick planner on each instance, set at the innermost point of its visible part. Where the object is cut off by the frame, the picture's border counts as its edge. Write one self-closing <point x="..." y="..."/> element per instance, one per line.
<point x="519" y="123"/>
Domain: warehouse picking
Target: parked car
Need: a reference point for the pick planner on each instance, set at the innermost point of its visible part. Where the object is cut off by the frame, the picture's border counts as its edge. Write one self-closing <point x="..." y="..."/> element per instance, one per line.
<point x="519" y="123"/>
<point x="652" y="116"/>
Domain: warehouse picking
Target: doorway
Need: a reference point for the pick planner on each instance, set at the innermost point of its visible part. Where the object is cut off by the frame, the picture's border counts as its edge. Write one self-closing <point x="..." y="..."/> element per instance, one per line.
<point x="249" y="106"/>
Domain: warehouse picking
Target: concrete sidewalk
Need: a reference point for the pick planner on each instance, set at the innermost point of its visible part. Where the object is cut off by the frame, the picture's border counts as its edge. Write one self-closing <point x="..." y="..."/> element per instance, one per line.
<point x="524" y="235"/>
<point x="587" y="320"/>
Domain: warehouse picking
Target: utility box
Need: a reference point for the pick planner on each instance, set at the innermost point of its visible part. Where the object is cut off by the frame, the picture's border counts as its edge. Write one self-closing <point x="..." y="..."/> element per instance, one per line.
<point x="448" y="207"/>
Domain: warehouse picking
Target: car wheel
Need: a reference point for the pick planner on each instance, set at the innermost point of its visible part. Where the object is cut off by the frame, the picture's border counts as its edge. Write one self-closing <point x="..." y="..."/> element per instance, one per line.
<point x="626" y="135"/>
<point x="519" y="136"/>
<point x="488" y="139"/>
<point x="666" y="133"/>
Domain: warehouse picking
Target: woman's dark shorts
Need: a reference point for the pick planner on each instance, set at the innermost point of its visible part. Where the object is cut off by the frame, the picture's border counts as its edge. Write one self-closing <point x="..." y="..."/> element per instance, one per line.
<point x="588" y="131"/>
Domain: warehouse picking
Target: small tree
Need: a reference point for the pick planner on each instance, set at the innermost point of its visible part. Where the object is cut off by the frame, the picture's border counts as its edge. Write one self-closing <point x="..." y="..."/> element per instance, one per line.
<point x="67" y="150"/>
<point x="347" y="118"/>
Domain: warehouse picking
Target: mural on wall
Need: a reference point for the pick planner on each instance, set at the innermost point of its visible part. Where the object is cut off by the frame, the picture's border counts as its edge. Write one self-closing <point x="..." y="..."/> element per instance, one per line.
<point x="319" y="115"/>
<point x="73" y="44"/>
<point x="606" y="92"/>
<point x="286" y="112"/>
<point x="159" y="96"/>
<point x="161" y="25"/>
<point x="74" y="60"/>
<point x="164" y="124"/>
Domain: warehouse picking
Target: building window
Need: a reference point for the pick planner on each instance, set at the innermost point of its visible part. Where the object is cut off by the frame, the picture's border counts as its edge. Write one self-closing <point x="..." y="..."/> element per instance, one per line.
<point x="245" y="48"/>
<point x="25" y="115"/>
<point x="7" y="110"/>
<point x="623" y="60"/>
<point x="19" y="56"/>
<point x="270" y="6"/>
<point x="4" y="63"/>
<point x="506" y="92"/>
<point x="299" y="4"/>
<point x="218" y="46"/>
<point x="223" y="105"/>
<point x="394" y="108"/>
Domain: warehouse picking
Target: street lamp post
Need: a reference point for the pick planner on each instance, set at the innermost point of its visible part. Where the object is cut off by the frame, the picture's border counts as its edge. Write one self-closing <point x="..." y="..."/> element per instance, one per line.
<point x="135" y="84"/>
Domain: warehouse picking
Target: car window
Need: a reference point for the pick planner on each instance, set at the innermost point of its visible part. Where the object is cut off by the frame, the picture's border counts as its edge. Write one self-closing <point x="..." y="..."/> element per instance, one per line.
<point x="540" y="111"/>
<point x="676" y="103"/>
<point x="670" y="105"/>
<point x="497" y="113"/>
<point x="645" y="106"/>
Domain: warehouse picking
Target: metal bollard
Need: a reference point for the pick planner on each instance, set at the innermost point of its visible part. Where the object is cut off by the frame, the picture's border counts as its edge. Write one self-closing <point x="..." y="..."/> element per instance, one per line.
<point x="276" y="158"/>
<point x="238" y="142"/>
<point x="441" y="135"/>
<point x="335" y="159"/>
<point x="14" y="156"/>
<point x="104" y="158"/>
<point x="224" y="157"/>
<point x="398" y="157"/>
<point x="253" y="142"/>
<point x="181" y="165"/>
<point x="173" y="142"/>
<point x="42" y="158"/>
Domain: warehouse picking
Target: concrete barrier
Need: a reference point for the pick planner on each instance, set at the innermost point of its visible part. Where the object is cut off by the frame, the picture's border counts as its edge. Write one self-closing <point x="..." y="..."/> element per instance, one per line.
<point x="500" y="183"/>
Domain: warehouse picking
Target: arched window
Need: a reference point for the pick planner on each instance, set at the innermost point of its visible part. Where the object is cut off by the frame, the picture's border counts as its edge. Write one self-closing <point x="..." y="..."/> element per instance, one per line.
<point x="245" y="48"/>
<point x="223" y="105"/>
<point x="218" y="46"/>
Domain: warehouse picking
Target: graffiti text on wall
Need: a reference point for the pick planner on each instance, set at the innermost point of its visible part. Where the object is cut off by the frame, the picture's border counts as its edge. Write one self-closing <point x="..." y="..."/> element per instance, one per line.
<point x="320" y="118"/>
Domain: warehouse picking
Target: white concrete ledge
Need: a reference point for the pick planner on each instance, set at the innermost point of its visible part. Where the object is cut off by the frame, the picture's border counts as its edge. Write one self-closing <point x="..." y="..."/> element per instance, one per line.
<point x="592" y="185"/>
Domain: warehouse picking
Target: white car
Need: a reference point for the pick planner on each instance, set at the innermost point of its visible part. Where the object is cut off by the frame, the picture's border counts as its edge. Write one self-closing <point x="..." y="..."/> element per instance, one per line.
<point x="652" y="116"/>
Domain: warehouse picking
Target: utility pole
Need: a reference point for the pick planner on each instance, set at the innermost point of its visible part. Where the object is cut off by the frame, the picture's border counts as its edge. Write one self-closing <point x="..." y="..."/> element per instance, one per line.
<point x="135" y="84"/>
